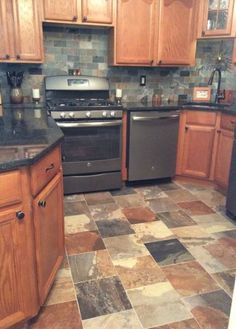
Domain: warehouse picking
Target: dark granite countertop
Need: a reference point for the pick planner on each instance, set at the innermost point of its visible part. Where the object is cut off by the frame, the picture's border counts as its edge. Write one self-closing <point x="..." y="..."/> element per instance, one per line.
<point x="26" y="134"/>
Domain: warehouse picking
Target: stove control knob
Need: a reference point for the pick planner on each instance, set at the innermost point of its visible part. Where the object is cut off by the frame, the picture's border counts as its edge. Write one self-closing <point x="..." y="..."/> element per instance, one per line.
<point x="71" y="115"/>
<point x="104" y="113"/>
<point x="88" y="114"/>
<point x="113" y="113"/>
<point x="62" y="115"/>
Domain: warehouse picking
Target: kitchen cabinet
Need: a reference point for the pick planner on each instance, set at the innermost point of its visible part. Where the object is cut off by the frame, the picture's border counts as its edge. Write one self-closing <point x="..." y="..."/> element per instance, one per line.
<point x="151" y="33"/>
<point x="234" y="52"/>
<point x="60" y="10"/>
<point x="196" y="144"/>
<point x="177" y="37"/>
<point x="97" y="11"/>
<point x="22" y="31"/>
<point x="49" y="234"/>
<point x="217" y="18"/>
<point x="31" y="241"/>
<point x="83" y="12"/>
<point x="224" y="150"/>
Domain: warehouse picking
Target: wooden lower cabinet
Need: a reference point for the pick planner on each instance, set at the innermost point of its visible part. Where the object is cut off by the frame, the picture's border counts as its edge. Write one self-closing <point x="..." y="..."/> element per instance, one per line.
<point x="223" y="158"/>
<point x="197" y="153"/>
<point x="49" y="234"/>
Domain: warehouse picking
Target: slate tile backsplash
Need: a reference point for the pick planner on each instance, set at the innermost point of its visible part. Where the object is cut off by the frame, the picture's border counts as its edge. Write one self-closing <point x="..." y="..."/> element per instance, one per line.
<point x="87" y="49"/>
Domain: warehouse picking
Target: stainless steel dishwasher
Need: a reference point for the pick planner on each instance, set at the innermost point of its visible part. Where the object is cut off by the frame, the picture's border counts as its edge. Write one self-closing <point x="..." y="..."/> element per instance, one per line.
<point x="152" y="146"/>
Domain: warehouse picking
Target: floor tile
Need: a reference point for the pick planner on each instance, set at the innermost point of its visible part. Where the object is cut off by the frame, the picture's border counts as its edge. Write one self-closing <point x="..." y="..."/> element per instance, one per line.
<point x="125" y="190"/>
<point x="62" y="289"/>
<point x="192" y="236"/>
<point x="122" y="320"/>
<point x="211" y="310"/>
<point x="79" y="223"/>
<point x="100" y="297"/>
<point x="83" y="242"/>
<point x="131" y="200"/>
<point x="139" y="215"/>
<point x="91" y="266"/>
<point x="153" y="307"/>
<point x="190" y="279"/>
<point x="138" y="272"/>
<point x="58" y="316"/>
<point x="162" y="205"/>
<point x="151" y="192"/>
<point x="214" y="223"/>
<point x="74" y="197"/>
<point x="153" y="231"/>
<point x="211" y="197"/>
<point x="175" y="218"/>
<point x="98" y="198"/>
<point x="125" y="246"/>
<point x="114" y="227"/>
<point x="168" y="252"/>
<point x="195" y="208"/>
<point x="226" y="280"/>
<point x="76" y="208"/>
<point x="186" y="324"/>
<point x="106" y="211"/>
<point x="168" y="186"/>
<point x="180" y="195"/>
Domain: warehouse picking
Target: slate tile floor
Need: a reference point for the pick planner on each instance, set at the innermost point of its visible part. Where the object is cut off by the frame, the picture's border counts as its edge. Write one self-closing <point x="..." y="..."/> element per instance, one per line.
<point x="147" y="257"/>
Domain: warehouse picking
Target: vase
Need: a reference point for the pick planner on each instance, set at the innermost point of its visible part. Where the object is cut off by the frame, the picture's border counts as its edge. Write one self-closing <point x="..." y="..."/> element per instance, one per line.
<point x="16" y="95"/>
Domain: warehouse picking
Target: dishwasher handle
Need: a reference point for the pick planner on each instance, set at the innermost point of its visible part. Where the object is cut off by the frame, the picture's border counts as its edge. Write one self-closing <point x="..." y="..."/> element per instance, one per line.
<point x="143" y="118"/>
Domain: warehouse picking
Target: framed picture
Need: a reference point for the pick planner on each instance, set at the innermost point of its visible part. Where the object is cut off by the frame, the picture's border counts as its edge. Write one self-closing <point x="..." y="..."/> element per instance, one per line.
<point x="201" y="94"/>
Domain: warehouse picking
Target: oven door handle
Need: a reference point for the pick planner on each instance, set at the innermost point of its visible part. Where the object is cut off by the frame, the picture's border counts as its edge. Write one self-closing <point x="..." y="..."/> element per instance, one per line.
<point x="89" y="124"/>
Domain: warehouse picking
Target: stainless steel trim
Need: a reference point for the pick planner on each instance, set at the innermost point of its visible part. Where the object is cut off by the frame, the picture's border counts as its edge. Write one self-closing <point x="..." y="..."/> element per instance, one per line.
<point x="171" y="117"/>
<point x="90" y="124"/>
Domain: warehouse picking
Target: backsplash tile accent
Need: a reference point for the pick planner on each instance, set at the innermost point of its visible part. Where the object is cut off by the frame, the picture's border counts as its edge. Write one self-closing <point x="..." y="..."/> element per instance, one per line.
<point x="87" y="49"/>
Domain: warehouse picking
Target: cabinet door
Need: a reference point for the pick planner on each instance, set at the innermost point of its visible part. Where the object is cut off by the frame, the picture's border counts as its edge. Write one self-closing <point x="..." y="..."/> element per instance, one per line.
<point x="217" y="17"/>
<point x="223" y="157"/>
<point x="17" y="277"/>
<point x="197" y="152"/>
<point x="134" y="32"/>
<point x="5" y="35"/>
<point x="49" y="234"/>
<point x="97" y="11"/>
<point x="60" y="10"/>
<point x="28" y="30"/>
<point x="177" y="38"/>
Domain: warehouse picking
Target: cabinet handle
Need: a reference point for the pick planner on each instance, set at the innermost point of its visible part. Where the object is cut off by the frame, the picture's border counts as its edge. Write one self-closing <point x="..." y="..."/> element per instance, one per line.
<point x="160" y="62"/>
<point x="50" y="167"/>
<point x="203" y="33"/>
<point x="186" y="128"/>
<point x="74" y="18"/>
<point x="85" y="18"/>
<point x="20" y="215"/>
<point x="7" y="56"/>
<point x="151" y="62"/>
<point x="18" y="56"/>
<point x="42" y="203"/>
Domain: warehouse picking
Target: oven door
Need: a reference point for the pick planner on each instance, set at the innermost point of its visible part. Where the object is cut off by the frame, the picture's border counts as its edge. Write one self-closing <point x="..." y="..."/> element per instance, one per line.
<point x="91" y="146"/>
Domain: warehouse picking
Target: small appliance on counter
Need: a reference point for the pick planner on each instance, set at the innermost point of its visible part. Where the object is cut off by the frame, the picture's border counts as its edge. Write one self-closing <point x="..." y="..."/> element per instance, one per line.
<point x="92" y="125"/>
<point x="231" y="194"/>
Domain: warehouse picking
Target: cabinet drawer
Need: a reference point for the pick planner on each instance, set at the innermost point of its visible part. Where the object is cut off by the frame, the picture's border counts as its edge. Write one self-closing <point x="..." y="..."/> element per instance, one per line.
<point x="228" y="122"/>
<point x="10" y="183"/>
<point x="44" y="170"/>
<point x="201" y="118"/>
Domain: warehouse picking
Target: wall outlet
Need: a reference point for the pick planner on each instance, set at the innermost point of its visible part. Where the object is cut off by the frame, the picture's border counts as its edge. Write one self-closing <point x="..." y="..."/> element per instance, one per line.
<point x="142" y="81"/>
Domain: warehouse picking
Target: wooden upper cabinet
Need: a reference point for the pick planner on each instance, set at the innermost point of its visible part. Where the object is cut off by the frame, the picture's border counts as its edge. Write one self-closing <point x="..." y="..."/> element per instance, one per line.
<point x="176" y="42"/>
<point x="28" y="31"/>
<point x="6" y="47"/>
<point x="217" y="18"/>
<point x="49" y="234"/>
<point x="60" y="10"/>
<point x="135" y="32"/>
<point x="97" y="11"/>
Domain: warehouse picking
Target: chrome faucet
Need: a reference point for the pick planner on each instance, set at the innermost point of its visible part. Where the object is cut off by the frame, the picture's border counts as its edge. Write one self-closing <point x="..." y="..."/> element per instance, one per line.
<point x="219" y="94"/>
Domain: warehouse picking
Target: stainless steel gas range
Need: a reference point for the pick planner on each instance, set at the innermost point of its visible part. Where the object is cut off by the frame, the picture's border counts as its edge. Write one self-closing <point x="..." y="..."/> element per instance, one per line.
<point x="92" y="124"/>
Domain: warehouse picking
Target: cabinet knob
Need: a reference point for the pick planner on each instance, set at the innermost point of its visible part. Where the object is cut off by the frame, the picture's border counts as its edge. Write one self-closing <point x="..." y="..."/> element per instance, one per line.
<point x="218" y="131"/>
<point x="18" y="56"/>
<point x="85" y="19"/>
<point x="74" y="18"/>
<point x="186" y="128"/>
<point x="42" y="203"/>
<point x="20" y="215"/>
<point x="50" y="167"/>
<point x="203" y="33"/>
<point x="7" y="56"/>
<point x="160" y="62"/>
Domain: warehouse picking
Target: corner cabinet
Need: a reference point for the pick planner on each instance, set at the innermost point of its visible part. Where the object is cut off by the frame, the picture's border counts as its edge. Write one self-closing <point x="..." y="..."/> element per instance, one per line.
<point x="22" y="31"/>
<point x="31" y="241"/>
<point x="152" y="33"/>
